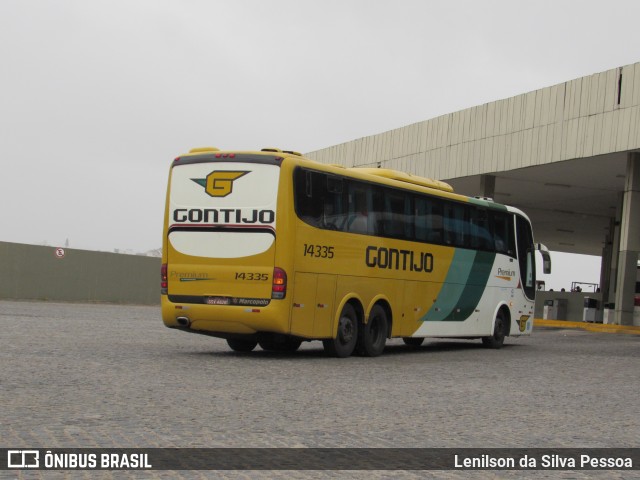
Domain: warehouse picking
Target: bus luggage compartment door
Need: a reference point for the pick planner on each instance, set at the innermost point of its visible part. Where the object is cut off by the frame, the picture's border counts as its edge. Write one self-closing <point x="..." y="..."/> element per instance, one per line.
<point x="313" y="305"/>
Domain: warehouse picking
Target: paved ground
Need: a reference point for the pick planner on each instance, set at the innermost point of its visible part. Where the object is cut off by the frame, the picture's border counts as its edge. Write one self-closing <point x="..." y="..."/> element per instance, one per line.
<point x="114" y="376"/>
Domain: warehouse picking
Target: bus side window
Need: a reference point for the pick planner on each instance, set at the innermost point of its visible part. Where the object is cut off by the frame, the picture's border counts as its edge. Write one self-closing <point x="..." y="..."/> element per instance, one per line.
<point x="503" y="233"/>
<point x="455" y="226"/>
<point x="309" y="193"/>
<point x="481" y="238"/>
<point x="335" y="204"/>
<point x="376" y="210"/>
<point x="358" y="216"/>
<point x="409" y="222"/>
<point x="428" y="220"/>
<point x="436" y="221"/>
<point x="420" y="216"/>
<point x="397" y="213"/>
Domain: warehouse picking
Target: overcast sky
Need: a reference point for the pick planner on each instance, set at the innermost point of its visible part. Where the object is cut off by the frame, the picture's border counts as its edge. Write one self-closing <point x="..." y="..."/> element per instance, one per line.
<point x="97" y="97"/>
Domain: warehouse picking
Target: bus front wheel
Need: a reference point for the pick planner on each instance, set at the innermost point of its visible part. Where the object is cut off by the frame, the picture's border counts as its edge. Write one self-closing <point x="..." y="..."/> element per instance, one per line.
<point x="499" y="332"/>
<point x="372" y="337"/>
<point x="347" y="335"/>
<point x="241" y="345"/>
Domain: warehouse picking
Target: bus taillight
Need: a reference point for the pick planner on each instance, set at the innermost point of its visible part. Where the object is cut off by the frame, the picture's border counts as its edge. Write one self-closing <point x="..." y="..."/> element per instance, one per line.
<point x="279" y="288"/>
<point x="163" y="279"/>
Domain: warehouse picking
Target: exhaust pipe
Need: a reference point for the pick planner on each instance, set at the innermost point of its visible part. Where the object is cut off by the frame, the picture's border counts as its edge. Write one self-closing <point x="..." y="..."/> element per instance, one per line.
<point x="183" y="321"/>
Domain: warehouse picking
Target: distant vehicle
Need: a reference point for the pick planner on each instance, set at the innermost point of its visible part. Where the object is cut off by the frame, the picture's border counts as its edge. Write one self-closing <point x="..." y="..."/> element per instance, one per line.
<point x="271" y="248"/>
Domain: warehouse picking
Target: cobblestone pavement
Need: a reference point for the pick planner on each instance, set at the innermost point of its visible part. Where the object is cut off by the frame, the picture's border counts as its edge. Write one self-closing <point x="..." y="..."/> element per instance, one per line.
<point x="113" y="376"/>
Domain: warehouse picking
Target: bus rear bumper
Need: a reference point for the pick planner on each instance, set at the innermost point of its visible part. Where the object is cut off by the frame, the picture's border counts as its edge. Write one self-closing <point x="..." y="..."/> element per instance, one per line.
<point x="225" y="320"/>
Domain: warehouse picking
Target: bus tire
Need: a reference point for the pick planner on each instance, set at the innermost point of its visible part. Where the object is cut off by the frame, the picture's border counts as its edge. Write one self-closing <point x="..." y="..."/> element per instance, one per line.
<point x="241" y="345"/>
<point x="280" y="344"/>
<point x="347" y="335"/>
<point x="414" y="342"/>
<point x="499" y="332"/>
<point x="372" y="337"/>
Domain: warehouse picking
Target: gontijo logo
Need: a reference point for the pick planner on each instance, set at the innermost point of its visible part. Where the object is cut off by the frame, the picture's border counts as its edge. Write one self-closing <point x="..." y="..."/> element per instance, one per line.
<point x="219" y="183"/>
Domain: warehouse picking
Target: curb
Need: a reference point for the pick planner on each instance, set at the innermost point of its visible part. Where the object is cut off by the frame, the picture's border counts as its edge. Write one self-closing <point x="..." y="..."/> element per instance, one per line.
<point x="591" y="327"/>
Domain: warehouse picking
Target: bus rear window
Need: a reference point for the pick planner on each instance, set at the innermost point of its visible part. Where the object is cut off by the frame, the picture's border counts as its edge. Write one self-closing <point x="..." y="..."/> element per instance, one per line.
<point x="223" y="209"/>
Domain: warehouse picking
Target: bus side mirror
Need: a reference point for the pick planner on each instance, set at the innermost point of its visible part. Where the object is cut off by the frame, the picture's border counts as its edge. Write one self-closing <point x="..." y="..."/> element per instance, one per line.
<point x="546" y="258"/>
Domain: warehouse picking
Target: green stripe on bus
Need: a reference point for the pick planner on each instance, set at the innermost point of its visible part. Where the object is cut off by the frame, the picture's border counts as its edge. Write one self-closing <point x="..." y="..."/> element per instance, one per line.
<point x="463" y="287"/>
<point x="476" y="285"/>
<point x="454" y="284"/>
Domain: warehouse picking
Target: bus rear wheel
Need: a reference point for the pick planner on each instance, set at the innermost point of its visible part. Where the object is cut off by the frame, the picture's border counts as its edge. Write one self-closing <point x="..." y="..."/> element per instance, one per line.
<point x="241" y="345"/>
<point x="499" y="332"/>
<point x="347" y="335"/>
<point x="372" y="337"/>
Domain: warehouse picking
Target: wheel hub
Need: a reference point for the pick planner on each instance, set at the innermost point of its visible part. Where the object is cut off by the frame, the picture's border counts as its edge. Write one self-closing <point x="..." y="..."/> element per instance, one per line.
<point x="346" y="330"/>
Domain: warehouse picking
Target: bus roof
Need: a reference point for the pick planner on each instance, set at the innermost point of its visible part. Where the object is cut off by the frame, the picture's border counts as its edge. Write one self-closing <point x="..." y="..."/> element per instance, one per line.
<point x="381" y="175"/>
<point x="406" y="177"/>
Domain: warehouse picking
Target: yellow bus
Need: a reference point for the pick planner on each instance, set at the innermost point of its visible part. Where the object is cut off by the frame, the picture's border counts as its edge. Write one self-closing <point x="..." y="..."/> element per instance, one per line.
<point x="270" y="248"/>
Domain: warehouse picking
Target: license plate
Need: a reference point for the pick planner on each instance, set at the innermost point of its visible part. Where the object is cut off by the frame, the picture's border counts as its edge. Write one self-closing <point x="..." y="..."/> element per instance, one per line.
<point x="217" y="300"/>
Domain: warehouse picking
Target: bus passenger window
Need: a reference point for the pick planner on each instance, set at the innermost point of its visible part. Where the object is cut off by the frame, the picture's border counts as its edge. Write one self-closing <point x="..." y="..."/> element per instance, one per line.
<point x="503" y="233"/>
<point x="428" y="220"/>
<point x="358" y="219"/>
<point x="308" y="191"/>
<point x="376" y="210"/>
<point x="481" y="238"/>
<point x="395" y="215"/>
<point x="421" y="221"/>
<point x="334" y="216"/>
<point x="409" y="222"/>
<point x="455" y="226"/>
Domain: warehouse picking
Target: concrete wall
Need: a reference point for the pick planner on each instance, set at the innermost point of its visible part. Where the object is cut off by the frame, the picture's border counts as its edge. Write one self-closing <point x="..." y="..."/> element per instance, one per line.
<point x="30" y="272"/>
<point x="35" y="272"/>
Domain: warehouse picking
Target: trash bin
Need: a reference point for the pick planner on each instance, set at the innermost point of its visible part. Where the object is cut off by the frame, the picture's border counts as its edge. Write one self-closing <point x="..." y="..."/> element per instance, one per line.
<point x="590" y="310"/>
<point x="555" y="309"/>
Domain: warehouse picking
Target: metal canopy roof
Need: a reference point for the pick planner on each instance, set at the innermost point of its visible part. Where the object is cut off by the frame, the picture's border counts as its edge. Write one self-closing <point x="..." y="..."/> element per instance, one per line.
<point x="571" y="203"/>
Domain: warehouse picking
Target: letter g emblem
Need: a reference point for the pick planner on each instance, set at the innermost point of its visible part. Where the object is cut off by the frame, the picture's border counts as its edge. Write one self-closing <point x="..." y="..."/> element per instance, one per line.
<point x="219" y="183"/>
